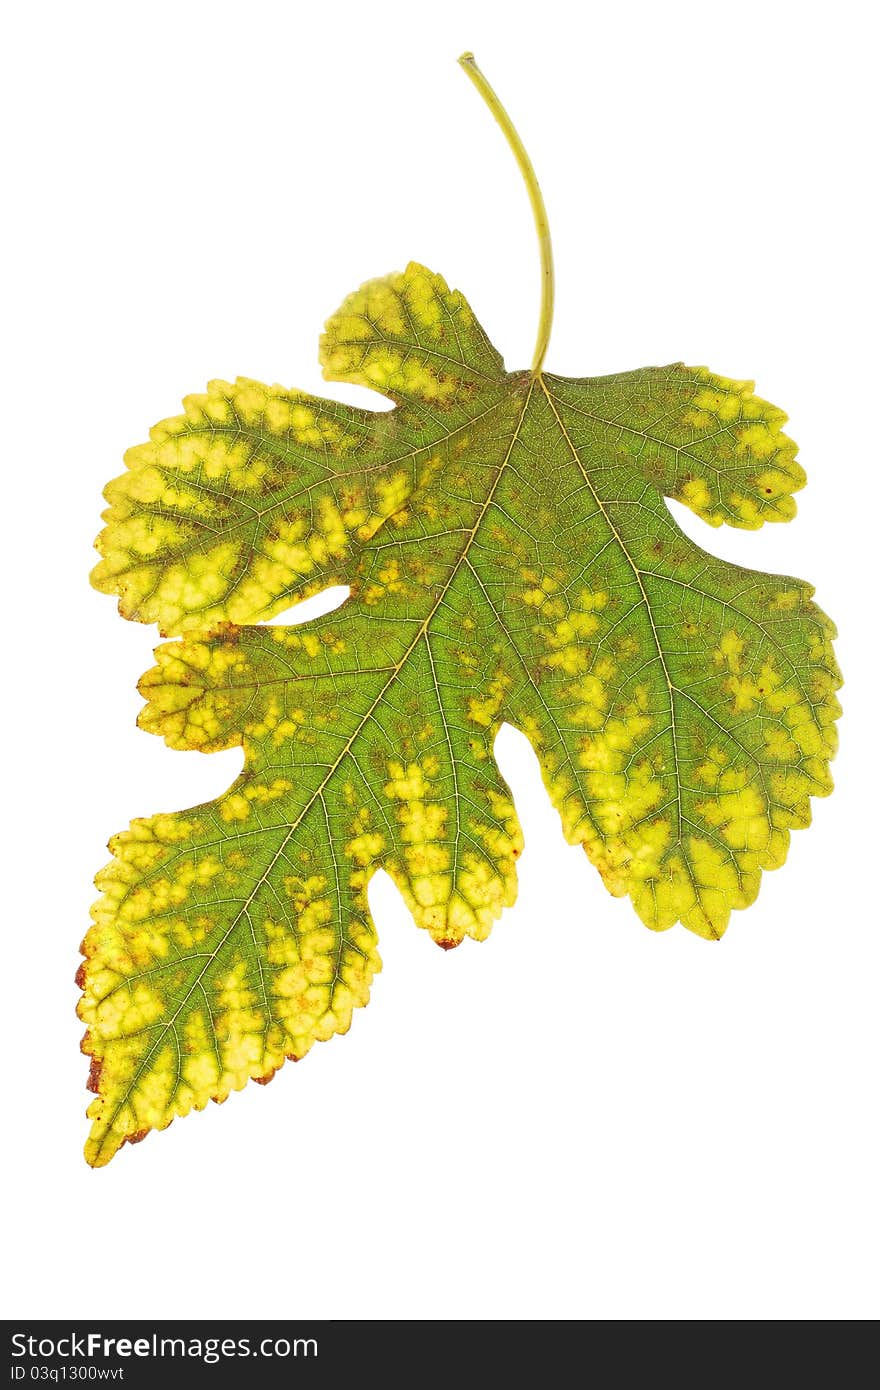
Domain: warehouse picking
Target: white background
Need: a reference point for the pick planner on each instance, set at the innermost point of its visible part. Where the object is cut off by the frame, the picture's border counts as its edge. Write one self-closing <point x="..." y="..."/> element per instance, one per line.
<point x="578" y="1119"/>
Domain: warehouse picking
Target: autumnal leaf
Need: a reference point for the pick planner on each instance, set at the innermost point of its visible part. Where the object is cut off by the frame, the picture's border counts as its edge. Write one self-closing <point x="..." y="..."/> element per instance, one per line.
<point x="511" y="559"/>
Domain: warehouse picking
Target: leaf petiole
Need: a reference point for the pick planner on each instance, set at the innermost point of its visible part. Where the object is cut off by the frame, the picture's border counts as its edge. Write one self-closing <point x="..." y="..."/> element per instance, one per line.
<point x="542" y="226"/>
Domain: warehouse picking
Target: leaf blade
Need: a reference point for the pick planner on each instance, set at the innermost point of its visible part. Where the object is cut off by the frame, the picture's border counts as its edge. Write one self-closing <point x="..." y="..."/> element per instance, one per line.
<point x="527" y="569"/>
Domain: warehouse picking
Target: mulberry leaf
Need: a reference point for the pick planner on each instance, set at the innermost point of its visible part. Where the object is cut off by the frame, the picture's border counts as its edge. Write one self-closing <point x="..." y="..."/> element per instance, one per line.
<point x="511" y="559"/>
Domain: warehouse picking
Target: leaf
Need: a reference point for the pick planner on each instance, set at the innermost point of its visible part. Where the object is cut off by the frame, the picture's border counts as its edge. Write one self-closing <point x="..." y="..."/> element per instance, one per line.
<point x="510" y="558"/>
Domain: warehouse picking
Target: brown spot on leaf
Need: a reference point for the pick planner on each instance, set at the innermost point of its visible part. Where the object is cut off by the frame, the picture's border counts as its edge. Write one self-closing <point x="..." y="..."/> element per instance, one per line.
<point x="226" y="633"/>
<point x="94" y="1082"/>
<point x="447" y="943"/>
<point x="79" y="978"/>
<point x="264" y="1080"/>
<point x="136" y="1138"/>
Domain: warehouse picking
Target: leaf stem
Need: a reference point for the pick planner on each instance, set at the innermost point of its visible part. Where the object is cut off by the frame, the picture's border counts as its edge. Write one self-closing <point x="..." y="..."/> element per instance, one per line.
<point x="542" y="226"/>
